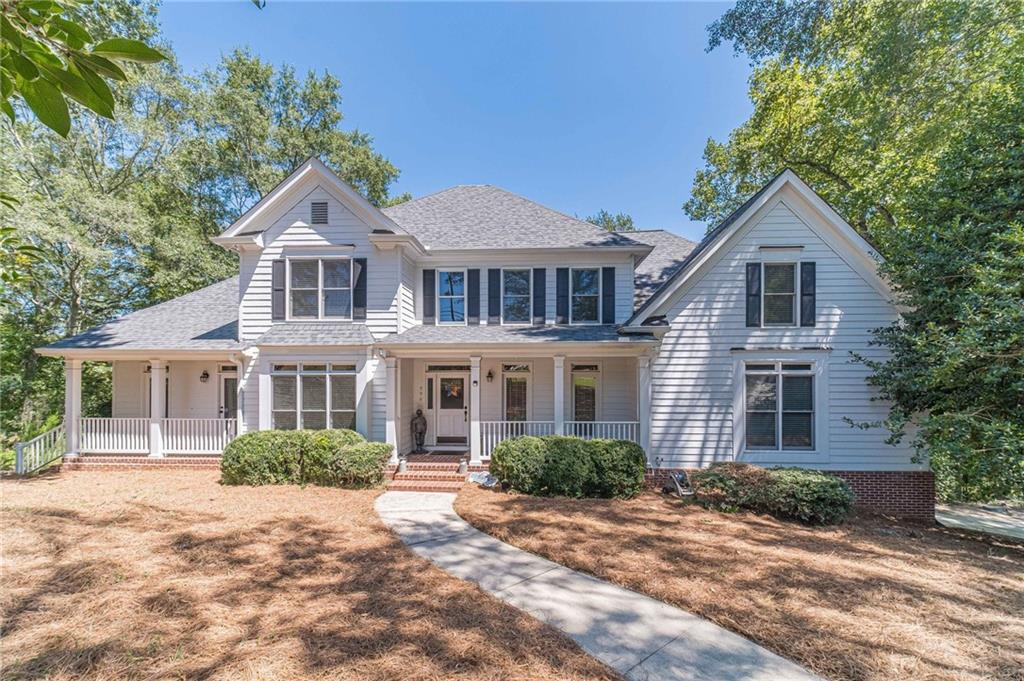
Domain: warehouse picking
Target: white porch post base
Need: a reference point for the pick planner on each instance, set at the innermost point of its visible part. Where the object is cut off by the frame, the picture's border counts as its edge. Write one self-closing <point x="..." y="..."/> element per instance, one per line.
<point x="475" y="448"/>
<point x="72" y="406"/>
<point x="391" y="406"/>
<point x="156" y="407"/>
<point x="559" y="395"/>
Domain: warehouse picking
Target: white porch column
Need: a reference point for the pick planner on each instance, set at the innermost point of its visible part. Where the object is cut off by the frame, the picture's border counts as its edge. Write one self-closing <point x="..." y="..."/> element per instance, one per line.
<point x="559" y="394"/>
<point x="157" y="377"/>
<point x="364" y="394"/>
<point x="474" y="410"/>
<point x="72" y="405"/>
<point x="391" y="406"/>
<point x="643" y="396"/>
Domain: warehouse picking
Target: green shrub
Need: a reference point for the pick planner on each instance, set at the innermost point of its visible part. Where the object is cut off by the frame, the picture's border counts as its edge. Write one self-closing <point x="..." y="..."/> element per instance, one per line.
<point x="569" y="466"/>
<point x="337" y="458"/>
<point x="519" y="463"/>
<point x="619" y="467"/>
<point x="800" y="494"/>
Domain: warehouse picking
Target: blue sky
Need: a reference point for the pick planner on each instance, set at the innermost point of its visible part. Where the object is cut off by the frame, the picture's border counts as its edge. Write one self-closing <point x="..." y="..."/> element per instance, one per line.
<point x="580" y="106"/>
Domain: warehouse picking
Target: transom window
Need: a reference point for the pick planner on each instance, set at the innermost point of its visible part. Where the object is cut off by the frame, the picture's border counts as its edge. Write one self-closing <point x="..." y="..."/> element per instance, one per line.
<point x="515" y="295"/>
<point x="585" y="296"/>
<point x="780" y="294"/>
<point x="313" y="395"/>
<point x="451" y="296"/>
<point x="320" y="288"/>
<point x="779" y="405"/>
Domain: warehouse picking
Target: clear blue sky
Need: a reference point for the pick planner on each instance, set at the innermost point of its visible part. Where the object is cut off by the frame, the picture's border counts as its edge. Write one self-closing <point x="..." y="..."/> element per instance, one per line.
<point x="577" y="106"/>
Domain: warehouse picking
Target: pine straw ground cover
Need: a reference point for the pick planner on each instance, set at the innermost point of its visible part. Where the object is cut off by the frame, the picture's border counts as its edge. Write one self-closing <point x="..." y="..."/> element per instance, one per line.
<point x="160" y="574"/>
<point x="870" y="600"/>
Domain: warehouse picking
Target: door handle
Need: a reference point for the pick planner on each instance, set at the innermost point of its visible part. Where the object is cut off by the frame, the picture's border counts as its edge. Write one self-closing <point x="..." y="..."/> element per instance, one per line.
<point x="465" y="411"/>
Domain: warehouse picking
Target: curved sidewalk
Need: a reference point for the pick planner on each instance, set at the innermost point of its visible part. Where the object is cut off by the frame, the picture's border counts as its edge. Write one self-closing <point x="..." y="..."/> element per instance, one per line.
<point x="639" y="637"/>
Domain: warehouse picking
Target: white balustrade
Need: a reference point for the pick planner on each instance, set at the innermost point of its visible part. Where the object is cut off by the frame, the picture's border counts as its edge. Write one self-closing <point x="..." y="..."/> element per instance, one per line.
<point x="493" y="432"/>
<point x="611" y="430"/>
<point x="36" y="453"/>
<point x="197" y="436"/>
<point x="113" y="435"/>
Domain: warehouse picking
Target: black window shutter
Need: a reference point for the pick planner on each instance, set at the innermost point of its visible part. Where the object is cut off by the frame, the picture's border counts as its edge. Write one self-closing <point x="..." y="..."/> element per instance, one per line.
<point x="540" y="295"/>
<point x="429" y="297"/>
<point x="607" y="295"/>
<point x="473" y="297"/>
<point x="562" y="295"/>
<point x="359" y="290"/>
<point x="277" y="290"/>
<point x="753" y="294"/>
<point x="494" y="296"/>
<point x="808" y="295"/>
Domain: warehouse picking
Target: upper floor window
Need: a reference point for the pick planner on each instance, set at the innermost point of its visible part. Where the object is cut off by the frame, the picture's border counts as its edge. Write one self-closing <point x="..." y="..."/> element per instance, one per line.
<point x="779" y="405"/>
<point x="451" y="296"/>
<point x="516" y="296"/>
<point x="320" y="288"/>
<point x="318" y="213"/>
<point x="585" y="296"/>
<point x="779" y="294"/>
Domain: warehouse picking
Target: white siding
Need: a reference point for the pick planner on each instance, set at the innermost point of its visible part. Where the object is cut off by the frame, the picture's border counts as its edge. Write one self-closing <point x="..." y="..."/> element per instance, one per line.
<point x="293" y="230"/>
<point x="692" y="378"/>
<point x="127" y="400"/>
<point x="189" y="397"/>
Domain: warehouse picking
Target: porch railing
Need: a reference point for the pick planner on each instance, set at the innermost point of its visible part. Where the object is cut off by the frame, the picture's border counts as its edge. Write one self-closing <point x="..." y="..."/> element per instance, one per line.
<point x="197" y="436"/>
<point x="493" y="432"/>
<point x="33" y="455"/>
<point x="612" y="430"/>
<point x="113" y="435"/>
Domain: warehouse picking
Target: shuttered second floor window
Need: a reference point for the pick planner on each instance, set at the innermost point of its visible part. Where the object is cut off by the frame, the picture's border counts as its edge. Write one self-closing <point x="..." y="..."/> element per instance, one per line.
<point x="320" y="288"/>
<point x="516" y="301"/>
<point x="451" y="296"/>
<point x="585" y="296"/>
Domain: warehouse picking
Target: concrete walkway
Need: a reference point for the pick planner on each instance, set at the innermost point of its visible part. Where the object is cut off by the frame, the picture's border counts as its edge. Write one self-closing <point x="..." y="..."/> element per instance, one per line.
<point x="641" y="638"/>
<point x="996" y="520"/>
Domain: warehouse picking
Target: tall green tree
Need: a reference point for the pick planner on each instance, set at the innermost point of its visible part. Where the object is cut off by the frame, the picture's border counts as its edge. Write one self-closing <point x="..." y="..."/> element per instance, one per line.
<point x="619" y="222"/>
<point x="908" y="118"/>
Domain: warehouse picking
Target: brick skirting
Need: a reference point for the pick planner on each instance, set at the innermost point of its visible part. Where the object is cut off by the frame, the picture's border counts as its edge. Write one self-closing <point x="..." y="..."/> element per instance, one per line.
<point x="93" y="462"/>
<point x="906" y="494"/>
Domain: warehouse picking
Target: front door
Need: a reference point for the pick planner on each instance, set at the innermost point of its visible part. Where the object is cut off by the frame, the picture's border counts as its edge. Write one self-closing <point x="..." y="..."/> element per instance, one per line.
<point x="452" y="401"/>
<point x="229" y="397"/>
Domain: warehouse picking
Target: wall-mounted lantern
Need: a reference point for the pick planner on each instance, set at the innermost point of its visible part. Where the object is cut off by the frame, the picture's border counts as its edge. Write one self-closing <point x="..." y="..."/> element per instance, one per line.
<point x="204" y="377"/>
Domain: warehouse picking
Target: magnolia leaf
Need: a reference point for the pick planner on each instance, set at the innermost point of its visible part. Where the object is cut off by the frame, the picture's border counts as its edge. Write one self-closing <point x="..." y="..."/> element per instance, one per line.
<point x="78" y="89"/>
<point x="6" y="107"/>
<point x="25" y="68"/>
<point x="73" y="29"/>
<point x="48" y="104"/>
<point x="6" y="86"/>
<point x="101" y="65"/>
<point x="128" y="50"/>
<point x="95" y="83"/>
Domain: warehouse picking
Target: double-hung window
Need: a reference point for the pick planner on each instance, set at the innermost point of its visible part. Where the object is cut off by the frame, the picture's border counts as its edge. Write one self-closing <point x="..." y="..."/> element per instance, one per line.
<point x="320" y="288"/>
<point x="451" y="296"/>
<point x="585" y="296"/>
<point x="516" y="379"/>
<point x="779" y="405"/>
<point x="515" y="290"/>
<point x="313" y="396"/>
<point x="780" y="294"/>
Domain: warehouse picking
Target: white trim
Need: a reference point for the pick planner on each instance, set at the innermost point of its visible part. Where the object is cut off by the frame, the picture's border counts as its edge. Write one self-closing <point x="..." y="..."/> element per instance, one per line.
<point x="795" y="294"/>
<point x="529" y="296"/>
<point x="600" y="296"/>
<point x="820" y="361"/>
<point x="465" y="296"/>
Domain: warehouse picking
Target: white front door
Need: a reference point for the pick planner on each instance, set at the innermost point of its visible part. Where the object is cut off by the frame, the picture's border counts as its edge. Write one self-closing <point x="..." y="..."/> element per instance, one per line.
<point x="452" y="411"/>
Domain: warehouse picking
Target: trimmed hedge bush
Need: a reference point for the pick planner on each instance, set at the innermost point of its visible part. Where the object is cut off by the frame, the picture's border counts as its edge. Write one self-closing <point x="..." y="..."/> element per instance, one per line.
<point x="331" y="458"/>
<point x="554" y="465"/>
<point x="808" y="496"/>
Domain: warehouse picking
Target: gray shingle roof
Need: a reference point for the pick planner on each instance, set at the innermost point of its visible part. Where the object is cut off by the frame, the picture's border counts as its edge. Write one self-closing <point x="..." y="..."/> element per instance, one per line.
<point x="670" y="250"/>
<point x="316" y="333"/>
<point x="449" y="334"/>
<point x="206" y="319"/>
<point x="483" y="216"/>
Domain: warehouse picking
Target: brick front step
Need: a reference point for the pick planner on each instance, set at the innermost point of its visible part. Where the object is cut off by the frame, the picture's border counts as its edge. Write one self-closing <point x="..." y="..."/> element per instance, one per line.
<point x="450" y="476"/>
<point x="425" y="485"/>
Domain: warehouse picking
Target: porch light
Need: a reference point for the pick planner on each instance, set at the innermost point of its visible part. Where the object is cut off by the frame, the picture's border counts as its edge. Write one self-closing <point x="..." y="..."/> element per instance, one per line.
<point x="204" y="377"/>
<point x="490" y="376"/>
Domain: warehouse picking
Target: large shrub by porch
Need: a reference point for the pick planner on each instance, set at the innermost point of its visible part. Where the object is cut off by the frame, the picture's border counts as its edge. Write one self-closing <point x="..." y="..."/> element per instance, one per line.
<point x="555" y="465"/>
<point x="330" y="458"/>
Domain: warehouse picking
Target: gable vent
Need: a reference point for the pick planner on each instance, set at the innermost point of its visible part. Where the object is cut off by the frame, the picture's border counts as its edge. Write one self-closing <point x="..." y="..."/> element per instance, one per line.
<point x="318" y="212"/>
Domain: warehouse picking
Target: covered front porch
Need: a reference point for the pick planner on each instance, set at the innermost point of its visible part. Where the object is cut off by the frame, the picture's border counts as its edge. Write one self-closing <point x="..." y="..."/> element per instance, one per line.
<point x="470" y="401"/>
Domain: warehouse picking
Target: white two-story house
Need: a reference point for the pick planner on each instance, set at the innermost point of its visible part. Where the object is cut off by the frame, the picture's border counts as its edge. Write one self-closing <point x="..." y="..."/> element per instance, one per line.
<point x="497" y="317"/>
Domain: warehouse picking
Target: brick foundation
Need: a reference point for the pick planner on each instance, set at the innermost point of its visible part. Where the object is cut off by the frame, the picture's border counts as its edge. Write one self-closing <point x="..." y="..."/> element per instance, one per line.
<point x="906" y="494"/>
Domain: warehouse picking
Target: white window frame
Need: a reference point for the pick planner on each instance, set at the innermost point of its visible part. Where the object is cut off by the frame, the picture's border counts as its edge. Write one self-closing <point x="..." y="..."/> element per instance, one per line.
<point x="598" y="402"/>
<point x="330" y="370"/>
<point x="464" y="296"/>
<point x="319" y="288"/>
<point x="600" y="296"/>
<point x="796" y="293"/>
<point x="819" y="361"/>
<point x="528" y="375"/>
<point x="529" y="298"/>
